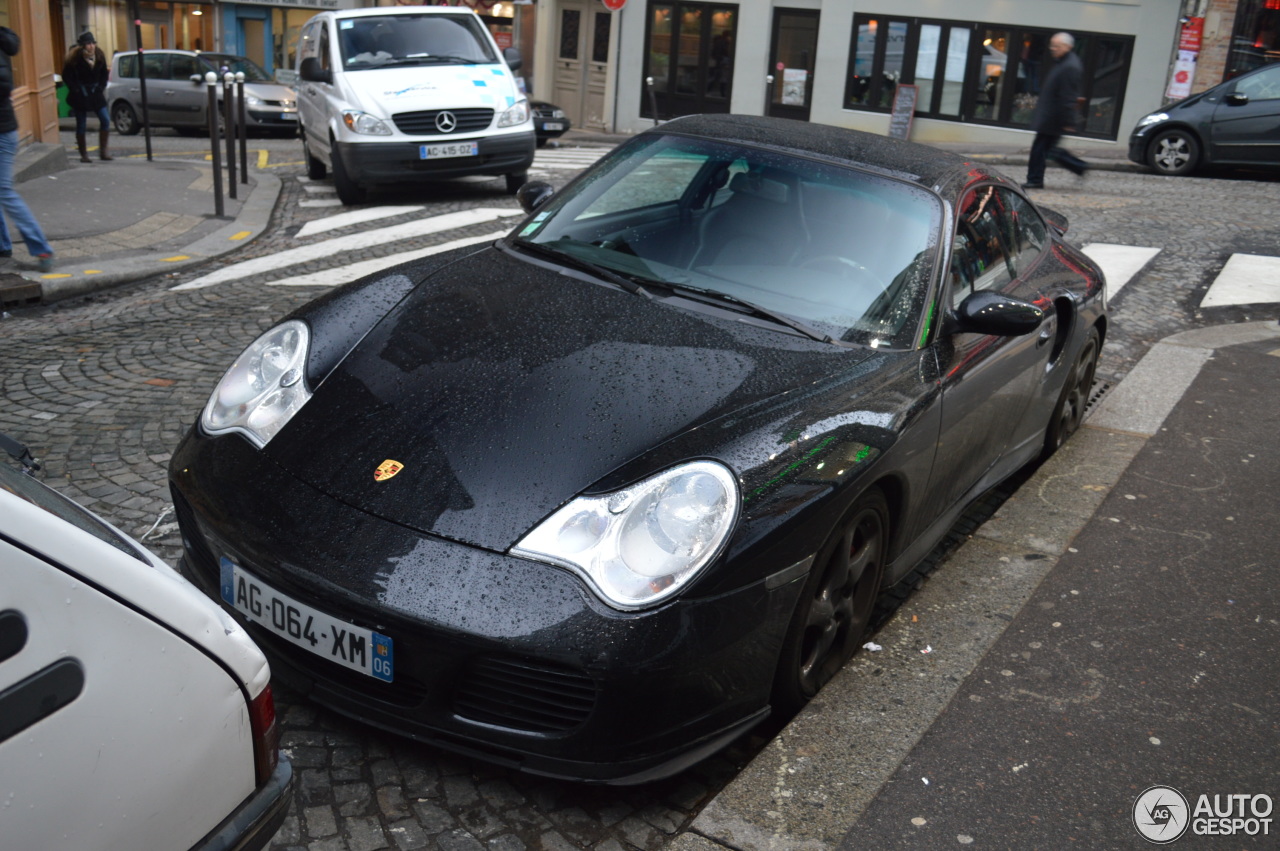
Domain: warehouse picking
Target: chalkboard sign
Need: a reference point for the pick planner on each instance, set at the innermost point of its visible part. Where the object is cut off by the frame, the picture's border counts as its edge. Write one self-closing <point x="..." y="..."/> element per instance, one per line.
<point x="904" y="110"/>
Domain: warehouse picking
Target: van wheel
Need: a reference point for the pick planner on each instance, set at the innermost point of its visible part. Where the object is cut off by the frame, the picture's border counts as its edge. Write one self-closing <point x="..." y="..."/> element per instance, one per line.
<point x="315" y="169"/>
<point x="348" y="192"/>
<point x="125" y="120"/>
<point x="515" y="180"/>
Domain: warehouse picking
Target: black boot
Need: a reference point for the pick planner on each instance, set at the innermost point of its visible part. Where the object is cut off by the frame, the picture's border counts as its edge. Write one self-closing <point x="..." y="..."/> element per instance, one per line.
<point x="102" y="145"/>
<point x="84" y="148"/>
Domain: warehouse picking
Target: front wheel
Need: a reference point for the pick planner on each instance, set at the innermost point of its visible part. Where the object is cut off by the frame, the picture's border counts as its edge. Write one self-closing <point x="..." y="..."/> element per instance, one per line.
<point x="315" y="169"/>
<point x="348" y="191"/>
<point x="1174" y="152"/>
<point x="1069" y="413"/>
<point x="125" y="120"/>
<point x="833" y="614"/>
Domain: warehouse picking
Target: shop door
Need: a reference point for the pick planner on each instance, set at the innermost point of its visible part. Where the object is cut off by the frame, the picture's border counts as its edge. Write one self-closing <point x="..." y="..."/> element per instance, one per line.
<point x="156" y="28"/>
<point x="255" y="37"/>
<point x="795" y="42"/>
<point x="582" y="61"/>
<point x="691" y="53"/>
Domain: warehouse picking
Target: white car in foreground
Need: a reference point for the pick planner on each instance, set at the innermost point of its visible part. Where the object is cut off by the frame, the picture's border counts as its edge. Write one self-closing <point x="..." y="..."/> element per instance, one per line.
<point x="134" y="713"/>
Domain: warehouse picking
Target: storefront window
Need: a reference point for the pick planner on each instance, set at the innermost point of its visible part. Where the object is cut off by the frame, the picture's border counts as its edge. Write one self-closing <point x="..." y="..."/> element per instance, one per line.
<point x="1256" y="39"/>
<point x="690" y="58"/>
<point x="980" y="72"/>
<point x="286" y="28"/>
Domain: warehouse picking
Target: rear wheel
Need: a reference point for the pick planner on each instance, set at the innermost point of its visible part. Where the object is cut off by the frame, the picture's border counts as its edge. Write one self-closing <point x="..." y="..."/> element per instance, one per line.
<point x="1174" y="152"/>
<point x="1068" y="414"/>
<point x="125" y="120"/>
<point x="834" y="611"/>
<point x="348" y="191"/>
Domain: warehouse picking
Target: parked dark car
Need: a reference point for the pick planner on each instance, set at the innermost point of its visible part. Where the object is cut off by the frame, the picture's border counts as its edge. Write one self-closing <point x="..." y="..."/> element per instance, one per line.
<point x="549" y="121"/>
<point x="593" y="500"/>
<point x="1233" y="123"/>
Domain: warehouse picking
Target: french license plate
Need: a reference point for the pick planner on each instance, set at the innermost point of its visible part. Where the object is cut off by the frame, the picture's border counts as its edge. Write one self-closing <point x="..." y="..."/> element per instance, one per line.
<point x="553" y="125"/>
<point x="453" y="149"/>
<point x="361" y="650"/>
<point x="288" y="116"/>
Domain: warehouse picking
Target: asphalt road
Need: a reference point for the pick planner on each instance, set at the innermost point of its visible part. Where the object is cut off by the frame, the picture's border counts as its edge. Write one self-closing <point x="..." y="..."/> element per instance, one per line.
<point x="104" y="386"/>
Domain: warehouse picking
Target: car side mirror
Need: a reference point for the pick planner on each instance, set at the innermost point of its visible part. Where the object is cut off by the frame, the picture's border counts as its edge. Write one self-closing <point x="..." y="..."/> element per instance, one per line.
<point x="1236" y="99"/>
<point x="196" y="79"/>
<point x="534" y="194"/>
<point x="512" y="57"/>
<point x="311" y="71"/>
<point x="998" y="315"/>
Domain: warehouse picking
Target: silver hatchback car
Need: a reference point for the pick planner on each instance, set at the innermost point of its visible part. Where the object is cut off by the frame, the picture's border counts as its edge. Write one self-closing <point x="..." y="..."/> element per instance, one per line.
<point x="177" y="97"/>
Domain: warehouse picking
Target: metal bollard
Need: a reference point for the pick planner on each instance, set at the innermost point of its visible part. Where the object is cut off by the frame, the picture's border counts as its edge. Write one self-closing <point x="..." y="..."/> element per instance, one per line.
<point x="211" y="80"/>
<point x="228" y="104"/>
<point x="768" y="93"/>
<point x="242" y="126"/>
<point x="653" y="100"/>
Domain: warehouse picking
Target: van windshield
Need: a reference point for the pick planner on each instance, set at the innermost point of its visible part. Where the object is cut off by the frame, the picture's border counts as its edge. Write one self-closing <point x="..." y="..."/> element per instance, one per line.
<point x="396" y="40"/>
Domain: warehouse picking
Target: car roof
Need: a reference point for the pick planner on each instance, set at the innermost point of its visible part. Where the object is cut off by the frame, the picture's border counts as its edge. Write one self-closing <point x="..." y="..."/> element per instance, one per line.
<point x="929" y="167"/>
<point x="374" y="11"/>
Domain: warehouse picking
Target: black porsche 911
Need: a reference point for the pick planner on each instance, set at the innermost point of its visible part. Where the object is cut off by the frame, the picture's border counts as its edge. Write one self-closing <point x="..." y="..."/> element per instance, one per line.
<point x="593" y="500"/>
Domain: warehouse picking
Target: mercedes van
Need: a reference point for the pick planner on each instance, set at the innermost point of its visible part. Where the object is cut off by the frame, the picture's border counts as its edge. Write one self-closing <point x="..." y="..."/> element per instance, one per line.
<point x="406" y="94"/>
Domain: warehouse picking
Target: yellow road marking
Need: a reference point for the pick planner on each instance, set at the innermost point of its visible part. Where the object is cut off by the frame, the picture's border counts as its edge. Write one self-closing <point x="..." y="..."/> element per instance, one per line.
<point x="282" y="165"/>
<point x="93" y="271"/>
<point x="241" y="235"/>
<point x="262" y="157"/>
<point x="175" y="259"/>
<point x="57" y="275"/>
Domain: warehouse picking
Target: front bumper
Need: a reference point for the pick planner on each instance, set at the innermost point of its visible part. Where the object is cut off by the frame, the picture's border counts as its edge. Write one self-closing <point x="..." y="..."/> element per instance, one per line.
<point x="272" y="118"/>
<point x="398" y="162"/>
<point x="505" y="659"/>
<point x="1138" y="147"/>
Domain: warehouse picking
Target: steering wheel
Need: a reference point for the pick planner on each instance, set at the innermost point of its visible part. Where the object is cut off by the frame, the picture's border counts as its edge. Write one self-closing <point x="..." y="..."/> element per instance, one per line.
<point x="849" y="269"/>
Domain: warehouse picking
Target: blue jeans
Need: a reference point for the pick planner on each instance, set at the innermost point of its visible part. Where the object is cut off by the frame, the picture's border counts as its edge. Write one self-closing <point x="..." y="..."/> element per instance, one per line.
<point x="12" y="205"/>
<point x="82" y="119"/>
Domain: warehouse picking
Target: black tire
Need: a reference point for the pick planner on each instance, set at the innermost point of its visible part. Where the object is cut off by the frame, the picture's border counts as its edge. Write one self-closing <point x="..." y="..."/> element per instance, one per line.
<point x="834" y="611"/>
<point x="125" y="120"/>
<point x="515" y="180"/>
<point x="1174" y="152"/>
<point x="315" y="169"/>
<point x="541" y="143"/>
<point x="348" y="192"/>
<point x="1068" y="414"/>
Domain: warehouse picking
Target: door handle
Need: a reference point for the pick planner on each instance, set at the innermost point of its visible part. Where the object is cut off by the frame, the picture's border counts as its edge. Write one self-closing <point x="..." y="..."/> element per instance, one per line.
<point x="1046" y="334"/>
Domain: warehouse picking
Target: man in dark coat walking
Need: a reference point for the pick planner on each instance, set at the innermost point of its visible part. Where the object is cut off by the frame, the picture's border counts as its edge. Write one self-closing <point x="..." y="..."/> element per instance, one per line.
<point x="85" y="74"/>
<point x="1056" y="112"/>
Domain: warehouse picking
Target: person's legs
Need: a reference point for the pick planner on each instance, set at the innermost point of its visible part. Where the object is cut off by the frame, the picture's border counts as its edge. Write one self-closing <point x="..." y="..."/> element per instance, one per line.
<point x="104" y="131"/>
<point x="15" y="208"/>
<point x="1068" y="160"/>
<point x="82" y="120"/>
<point x="1035" y="165"/>
<point x="6" y="244"/>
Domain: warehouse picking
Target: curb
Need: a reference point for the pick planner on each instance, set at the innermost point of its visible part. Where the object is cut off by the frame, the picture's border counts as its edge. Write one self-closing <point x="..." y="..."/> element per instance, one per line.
<point x="810" y="785"/>
<point x="254" y="216"/>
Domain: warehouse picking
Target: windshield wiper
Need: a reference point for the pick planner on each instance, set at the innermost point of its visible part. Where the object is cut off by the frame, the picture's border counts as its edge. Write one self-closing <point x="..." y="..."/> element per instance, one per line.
<point x="543" y="250"/>
<point x="782" y="319"/>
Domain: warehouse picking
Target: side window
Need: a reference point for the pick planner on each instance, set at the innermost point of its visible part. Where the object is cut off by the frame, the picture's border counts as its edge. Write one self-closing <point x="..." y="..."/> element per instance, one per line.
<point x="979" y="258"/>
<point x="182" y="67"/>
<point x="128" y="66"/>
<point x="323" y="47"/>
<point x="1027" y="234"/>
<point x="1264" y="85"/>
<point x="307" y="44"/>
<point x="156" y="65"/>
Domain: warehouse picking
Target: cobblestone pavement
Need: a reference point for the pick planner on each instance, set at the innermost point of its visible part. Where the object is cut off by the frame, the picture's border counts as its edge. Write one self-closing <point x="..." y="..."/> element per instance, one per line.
<point x="102" y="388"/>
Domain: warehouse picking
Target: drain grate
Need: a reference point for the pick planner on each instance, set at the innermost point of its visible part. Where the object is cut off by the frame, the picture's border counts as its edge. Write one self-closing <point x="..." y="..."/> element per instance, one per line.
<point x="1097" y="393"/>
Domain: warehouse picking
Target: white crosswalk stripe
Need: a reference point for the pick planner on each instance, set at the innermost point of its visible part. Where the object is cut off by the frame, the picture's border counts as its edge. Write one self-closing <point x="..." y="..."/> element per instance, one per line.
<point x="1119" y="262"/>
<point x="567" y="158"/>
<point x="353" y="242"/>
<point x="1245" y="279"/>
<point x="354" y="271"/>
<point x="355" y="217"/>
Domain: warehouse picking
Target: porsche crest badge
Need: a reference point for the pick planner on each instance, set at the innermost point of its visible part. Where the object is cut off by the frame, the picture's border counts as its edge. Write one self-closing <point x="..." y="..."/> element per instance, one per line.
<point x="386" y="470"/>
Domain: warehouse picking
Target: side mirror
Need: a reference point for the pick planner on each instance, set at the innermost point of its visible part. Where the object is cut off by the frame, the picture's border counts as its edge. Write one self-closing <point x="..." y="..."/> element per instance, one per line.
<point x="512" y="57"/>
<point x="1236" y="99"/>
<point x="197" y="79"/>
<point x="534" y="194"/>
<point x="311" y="71"/>
<point x="995" y="314"/>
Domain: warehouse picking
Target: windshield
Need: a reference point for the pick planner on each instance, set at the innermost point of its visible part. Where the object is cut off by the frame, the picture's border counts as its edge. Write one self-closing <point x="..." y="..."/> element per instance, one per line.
<point x="846" y="253"/>
<point x="222" y="63"/>
<point x="27" y="488"/>
<point x="390" y="40"/>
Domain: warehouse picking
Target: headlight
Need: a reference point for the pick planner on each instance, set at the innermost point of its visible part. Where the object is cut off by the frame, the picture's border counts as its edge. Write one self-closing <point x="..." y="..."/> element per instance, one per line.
<point x="363" y="122"/>
<point x="639" y="546"/>
<point x="514" y="115"/>
<point x="557" y="113"/>
<point x="252" y="100"/>
<point x="264" y="388"/>
<point x="1153" y="118"/>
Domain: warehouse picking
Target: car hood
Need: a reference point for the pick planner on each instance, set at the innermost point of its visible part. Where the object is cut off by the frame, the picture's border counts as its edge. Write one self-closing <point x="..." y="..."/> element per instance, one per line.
<point x="502" y="389"/>
<point x="387" y="91"/>
<point x="270" y="91"/>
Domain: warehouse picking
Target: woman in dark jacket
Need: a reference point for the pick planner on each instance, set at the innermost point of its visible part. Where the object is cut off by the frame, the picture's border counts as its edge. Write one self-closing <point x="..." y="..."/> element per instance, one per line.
<point x="85" y="74"/>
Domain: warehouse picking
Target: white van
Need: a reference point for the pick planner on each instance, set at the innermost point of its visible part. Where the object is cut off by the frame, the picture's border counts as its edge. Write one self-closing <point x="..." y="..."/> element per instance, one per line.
<point x="402" y="94"/>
